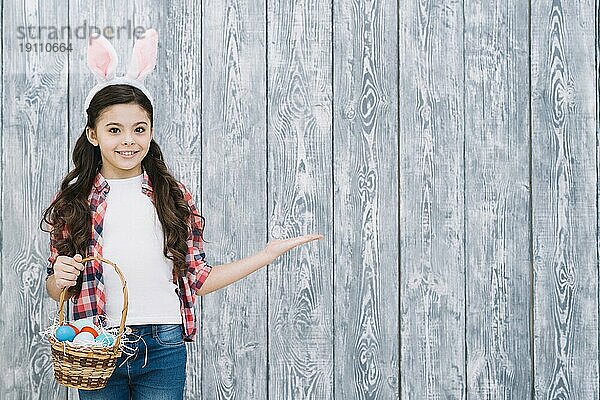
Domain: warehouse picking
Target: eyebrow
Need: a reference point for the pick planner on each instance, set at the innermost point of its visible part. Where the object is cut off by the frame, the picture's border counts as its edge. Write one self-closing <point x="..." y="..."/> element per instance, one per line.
<point x="118" y="124"/>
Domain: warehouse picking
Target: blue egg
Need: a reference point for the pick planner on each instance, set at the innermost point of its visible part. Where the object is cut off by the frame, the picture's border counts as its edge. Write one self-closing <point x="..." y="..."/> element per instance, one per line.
<point x="104" y="339"/>
<point x="65" y="333"/>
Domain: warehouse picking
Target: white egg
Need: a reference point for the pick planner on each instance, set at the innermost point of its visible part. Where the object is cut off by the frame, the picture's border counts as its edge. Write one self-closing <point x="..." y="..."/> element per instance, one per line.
<point x="84" y="338"/>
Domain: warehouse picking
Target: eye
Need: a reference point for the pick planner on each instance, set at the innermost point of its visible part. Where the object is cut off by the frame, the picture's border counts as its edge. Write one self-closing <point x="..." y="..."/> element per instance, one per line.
<point x="140" y="129"/>
<point x="113" y="130"/>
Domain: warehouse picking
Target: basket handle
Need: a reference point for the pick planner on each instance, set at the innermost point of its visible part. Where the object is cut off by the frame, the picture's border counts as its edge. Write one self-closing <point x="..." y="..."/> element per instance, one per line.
<point x="61" y="313"/>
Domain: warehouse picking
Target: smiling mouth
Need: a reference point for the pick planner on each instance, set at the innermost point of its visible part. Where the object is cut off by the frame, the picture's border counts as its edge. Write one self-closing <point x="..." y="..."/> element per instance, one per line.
<point x="127" y="153"/>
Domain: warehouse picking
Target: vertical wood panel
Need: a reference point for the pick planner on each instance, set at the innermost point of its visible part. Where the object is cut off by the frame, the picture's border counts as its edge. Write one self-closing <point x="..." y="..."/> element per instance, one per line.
<point x="365" y="146"/>
<point x="34" y="127"/>
<point x="299" y="198"/>
<point x="176" y="85"/>
<point x="431" y="201"/>
<point x="565" y="214"/>
<point x="234" y="195"/>
<point x="223" y="69"/>
<point x="497" y="239"/>
<point x="597" y="69"/>
<point x="81" y="80"/>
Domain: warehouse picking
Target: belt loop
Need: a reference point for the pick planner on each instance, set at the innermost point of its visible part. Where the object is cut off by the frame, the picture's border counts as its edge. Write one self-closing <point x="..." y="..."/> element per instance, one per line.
<point x="154" y="330"/>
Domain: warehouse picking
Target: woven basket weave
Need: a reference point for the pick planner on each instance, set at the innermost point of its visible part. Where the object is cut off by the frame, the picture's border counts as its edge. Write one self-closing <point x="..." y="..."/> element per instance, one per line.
<point x="87" y="368"/>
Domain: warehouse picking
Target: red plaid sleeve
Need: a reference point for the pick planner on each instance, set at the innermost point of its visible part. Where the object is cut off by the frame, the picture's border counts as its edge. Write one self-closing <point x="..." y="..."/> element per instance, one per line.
<point x="198" y="268"/>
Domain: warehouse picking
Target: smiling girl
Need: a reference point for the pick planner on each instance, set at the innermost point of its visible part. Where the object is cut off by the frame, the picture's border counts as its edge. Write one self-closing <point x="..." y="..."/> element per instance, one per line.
<point x="120" y="202"/>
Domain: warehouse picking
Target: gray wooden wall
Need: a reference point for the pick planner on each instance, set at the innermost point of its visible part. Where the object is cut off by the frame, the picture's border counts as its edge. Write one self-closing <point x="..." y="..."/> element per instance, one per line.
<point x="447" y="150"/>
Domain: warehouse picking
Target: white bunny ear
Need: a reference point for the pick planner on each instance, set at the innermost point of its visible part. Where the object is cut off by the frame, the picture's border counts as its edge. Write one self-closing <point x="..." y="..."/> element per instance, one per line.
<point x="143" y="57"/>
<point x="102" y="58"/>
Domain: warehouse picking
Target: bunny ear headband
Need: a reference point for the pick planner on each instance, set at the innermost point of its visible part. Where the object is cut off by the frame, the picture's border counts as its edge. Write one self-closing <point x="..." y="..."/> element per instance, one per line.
<point x="102" y="61"/>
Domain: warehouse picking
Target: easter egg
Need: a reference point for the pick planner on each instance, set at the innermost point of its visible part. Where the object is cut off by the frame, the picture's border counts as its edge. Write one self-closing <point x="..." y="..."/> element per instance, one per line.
<point x="76" y="329"/>
<point x="65" y="333"/>
<point x="105" y="339"/>
<point x="90" y="330"/>
<point x="80" y="323"/>
<point x="83" y="338"/>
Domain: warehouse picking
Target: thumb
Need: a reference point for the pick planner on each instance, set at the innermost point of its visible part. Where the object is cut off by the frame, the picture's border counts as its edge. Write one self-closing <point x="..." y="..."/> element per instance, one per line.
<point x="77" y="257"/>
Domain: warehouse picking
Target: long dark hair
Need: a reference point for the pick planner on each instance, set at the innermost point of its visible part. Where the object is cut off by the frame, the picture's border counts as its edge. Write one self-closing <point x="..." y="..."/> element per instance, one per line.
<point x="71" y="209"/>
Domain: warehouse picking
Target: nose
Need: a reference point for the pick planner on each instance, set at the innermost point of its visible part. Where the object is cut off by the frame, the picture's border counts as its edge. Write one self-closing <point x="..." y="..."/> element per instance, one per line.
<point x="128" y="138"/>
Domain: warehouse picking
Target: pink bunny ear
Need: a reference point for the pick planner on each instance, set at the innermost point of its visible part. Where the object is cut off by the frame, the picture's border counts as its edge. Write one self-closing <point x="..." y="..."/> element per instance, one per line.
<point x="143" y="58"/>
<point x="102" y="58"/>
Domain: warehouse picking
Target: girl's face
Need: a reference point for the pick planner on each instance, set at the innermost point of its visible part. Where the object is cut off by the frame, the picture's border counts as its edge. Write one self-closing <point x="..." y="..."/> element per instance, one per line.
<point x="122" y="128"/>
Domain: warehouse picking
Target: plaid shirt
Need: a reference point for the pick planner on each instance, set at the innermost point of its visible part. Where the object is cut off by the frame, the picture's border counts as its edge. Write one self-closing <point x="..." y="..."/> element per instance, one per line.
<point x="91" y="301"/>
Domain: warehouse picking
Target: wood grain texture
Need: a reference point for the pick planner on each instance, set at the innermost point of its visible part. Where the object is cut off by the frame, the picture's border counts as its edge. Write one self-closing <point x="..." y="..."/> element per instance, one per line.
<point x="234" y="143"/>
<point x="564" y="176"/>
<point x="497" y="239"/>
<point x="299" y="93"/>
<point x="365" y="143"/>
<point x="448" y="151"/>
<point x="34" y="135"/>
<point x="431" y="201"/>
<point x="176" y="84"/>
<point x="101" y="15"/>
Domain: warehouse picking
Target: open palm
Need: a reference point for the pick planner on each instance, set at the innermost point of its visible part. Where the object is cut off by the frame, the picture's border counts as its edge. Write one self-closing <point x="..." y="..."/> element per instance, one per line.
<point x="277" y="247"/>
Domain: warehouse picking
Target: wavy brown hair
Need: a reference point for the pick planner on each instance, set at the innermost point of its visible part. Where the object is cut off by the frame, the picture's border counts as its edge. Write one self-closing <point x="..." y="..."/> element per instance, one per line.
<point x="71" y="209"/>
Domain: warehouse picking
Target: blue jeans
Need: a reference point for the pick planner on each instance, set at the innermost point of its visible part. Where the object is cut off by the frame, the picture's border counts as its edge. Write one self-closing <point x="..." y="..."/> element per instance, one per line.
<point x="163" y="376"/>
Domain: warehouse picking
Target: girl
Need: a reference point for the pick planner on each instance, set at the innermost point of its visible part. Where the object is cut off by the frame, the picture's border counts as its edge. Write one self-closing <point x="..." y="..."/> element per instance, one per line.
<point x="121" y="202"/>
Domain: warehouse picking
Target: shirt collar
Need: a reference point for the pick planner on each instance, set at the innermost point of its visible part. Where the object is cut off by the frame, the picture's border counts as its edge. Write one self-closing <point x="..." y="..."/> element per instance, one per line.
<point x="100" y="182"/>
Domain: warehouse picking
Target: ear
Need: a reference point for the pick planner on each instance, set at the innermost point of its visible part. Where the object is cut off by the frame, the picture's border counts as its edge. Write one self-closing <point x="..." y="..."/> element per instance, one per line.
<point x="90" y="133"/>
<point x="101" y="58"/>
<point x="143" y="57"/>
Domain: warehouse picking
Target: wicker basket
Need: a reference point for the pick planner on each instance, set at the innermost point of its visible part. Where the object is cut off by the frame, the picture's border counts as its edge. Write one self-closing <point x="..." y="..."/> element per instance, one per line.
<point x="87" y="368"/>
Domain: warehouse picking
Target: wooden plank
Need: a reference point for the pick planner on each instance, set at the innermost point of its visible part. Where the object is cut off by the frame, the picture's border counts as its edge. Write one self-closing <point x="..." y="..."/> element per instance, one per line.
<point x="565" y="184"/>
<point x="81" y="80"/>
<point x="365" y="147"/>
<point x="431" y="201"/>
<point x="299" y="183"/>
<point x="34" y="134"/>
<point x="234" y="195"/>
<point x="497" y="245"/>
<point x="179" y="123"/>
<point x="177" y="129"/>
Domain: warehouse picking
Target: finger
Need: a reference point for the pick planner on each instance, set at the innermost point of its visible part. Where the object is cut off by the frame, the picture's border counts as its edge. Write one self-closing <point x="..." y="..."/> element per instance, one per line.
<point x="71" y="269"/>
<point x="297" y="241"/>
<point x="63" y="283"/>
<point x="75" y="264"/>
<point x="69" y="283"/>
<point x="77" y="258"/>
<point x="68" y="276"/>
<point x="68" y="268"/>
<point x="309" y="238"/>
<point x="315" y="236"/>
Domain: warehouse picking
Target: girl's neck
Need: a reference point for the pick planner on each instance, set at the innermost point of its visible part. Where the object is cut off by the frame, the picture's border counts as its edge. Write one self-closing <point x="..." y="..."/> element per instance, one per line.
<point x="132" y="178"/>
<point x="124" y="174"/>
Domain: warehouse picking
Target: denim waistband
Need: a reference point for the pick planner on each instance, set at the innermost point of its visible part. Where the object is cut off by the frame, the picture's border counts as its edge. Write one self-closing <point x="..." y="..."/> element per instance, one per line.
<point x="149" y="328"/>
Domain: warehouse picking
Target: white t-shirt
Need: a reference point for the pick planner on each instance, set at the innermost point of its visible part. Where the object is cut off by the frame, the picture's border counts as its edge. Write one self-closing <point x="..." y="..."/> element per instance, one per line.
<point x="133" y="239"/>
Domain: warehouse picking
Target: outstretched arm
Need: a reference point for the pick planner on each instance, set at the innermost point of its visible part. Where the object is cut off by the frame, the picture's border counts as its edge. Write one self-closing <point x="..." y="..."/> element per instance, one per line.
<point x="224" y="275"/>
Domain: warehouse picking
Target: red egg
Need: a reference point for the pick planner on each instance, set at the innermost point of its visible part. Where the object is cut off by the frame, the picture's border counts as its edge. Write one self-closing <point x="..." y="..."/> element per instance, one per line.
<point x="90" y="330"/>
<point x="74" y="328"/>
